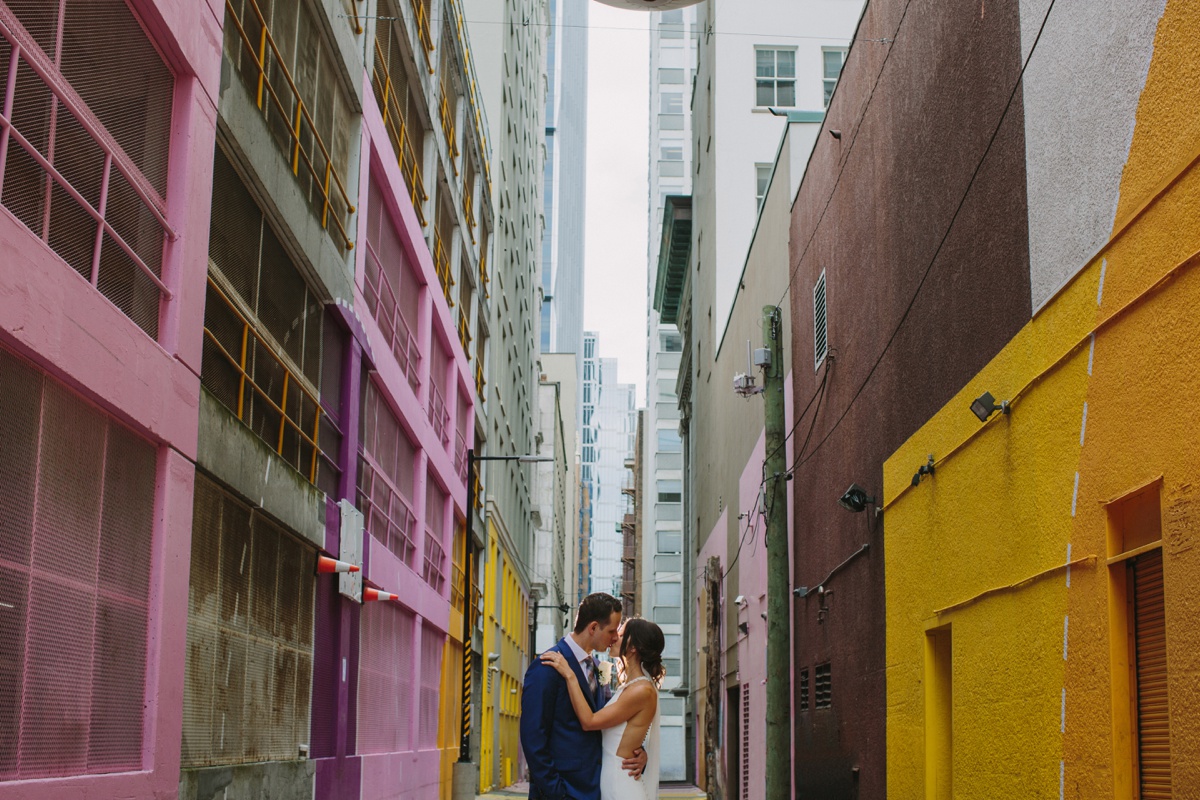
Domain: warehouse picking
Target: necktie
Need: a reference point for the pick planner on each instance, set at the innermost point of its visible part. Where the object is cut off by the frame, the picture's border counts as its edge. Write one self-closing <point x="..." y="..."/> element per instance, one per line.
<point x="593" y="681"/>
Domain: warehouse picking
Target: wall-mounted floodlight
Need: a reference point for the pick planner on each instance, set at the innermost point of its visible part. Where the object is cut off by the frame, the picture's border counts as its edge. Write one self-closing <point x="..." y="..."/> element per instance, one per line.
<point x="855" y="499"/>
<point x="740" y="601"/>
<point x="985" y="405"/>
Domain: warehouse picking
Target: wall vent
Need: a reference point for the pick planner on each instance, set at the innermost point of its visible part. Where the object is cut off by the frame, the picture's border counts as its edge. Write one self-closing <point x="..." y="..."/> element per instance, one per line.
<point x="804" y="689"/>
<point x="820" y="328"/>
<point x="745" y="740"/>
<point x="823" y="691"/>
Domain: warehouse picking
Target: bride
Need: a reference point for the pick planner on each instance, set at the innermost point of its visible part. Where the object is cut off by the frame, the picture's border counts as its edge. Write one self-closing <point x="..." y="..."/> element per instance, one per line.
<point x="630" y="719"/>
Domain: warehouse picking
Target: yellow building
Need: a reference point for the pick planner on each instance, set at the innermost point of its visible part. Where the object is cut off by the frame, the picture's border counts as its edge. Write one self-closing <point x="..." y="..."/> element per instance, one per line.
<point x="1043" y="584"/>
<point x="505" y="647"/>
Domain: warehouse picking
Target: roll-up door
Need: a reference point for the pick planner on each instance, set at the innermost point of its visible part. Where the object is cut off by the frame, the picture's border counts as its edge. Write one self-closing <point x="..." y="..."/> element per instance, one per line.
<point x="1154" y="750"/>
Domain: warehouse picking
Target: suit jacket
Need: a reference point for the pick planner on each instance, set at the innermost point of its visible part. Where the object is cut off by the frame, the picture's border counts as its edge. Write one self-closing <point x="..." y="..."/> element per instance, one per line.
<point x="563" y="758"/>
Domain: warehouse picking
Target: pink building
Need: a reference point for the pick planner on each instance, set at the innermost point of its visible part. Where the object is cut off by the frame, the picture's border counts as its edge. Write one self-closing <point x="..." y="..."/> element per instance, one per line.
<point x="238" y="330"/>
<point x="106" y="136"/>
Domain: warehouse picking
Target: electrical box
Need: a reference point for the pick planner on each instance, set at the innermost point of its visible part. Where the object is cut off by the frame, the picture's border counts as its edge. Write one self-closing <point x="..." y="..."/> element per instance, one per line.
<point x="350" y="550"/>
<point x="762" y="357"/>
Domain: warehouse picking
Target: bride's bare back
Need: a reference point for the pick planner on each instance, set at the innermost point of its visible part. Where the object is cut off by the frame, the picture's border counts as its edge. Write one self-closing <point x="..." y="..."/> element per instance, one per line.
<point x="644" y="698"/>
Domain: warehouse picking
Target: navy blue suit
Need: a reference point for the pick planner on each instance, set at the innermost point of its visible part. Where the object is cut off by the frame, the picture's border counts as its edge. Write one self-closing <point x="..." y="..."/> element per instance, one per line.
<point x="563" y="758"/>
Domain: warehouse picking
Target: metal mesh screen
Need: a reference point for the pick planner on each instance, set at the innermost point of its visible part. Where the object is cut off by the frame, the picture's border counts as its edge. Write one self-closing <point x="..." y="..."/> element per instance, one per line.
<point x="432" y="642"/>
<point x="76" y="520"/>
<point x="385" y="683"/>
<point x="386" y="478"/>
<point x="434" y="569"/>
<point x="439" y="415"/>
<point x="391" y="288"/>
<point x="86" y="165"/>
<point x="248" y="676"/>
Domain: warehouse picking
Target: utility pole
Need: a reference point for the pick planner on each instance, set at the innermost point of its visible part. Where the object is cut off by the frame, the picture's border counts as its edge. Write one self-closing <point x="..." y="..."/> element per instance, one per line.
<point x="779" y="678"/>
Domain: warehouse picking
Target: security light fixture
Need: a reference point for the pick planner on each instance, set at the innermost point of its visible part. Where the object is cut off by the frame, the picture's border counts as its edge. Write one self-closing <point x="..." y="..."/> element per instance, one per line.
<point x="855" y="499"/>
<point x="926" y="469"/>
<point x="985" y="405"/>
<point x="740" y="601"/>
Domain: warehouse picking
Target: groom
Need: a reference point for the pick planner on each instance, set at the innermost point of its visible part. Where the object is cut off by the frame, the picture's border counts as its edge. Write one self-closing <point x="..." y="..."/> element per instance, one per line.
<point x="563" y="758"/>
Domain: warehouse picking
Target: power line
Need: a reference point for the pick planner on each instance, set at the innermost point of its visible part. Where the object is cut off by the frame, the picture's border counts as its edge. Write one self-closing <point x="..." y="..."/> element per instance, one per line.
<point x="937" y="251"/>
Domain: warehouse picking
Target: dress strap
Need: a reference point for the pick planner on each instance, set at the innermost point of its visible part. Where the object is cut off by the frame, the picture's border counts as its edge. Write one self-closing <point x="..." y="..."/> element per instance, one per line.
<point x="638" y="678"/>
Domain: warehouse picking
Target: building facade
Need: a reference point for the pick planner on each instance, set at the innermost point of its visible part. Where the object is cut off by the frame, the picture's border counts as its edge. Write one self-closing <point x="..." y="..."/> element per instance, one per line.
<point x="285" y="311"/>
<point x="1074" y="608"/>
<point x="104" y="250"/>
<point x="509" y="47"/>
<point x="614" y="424"/>
<point x="660" y="554"/>
<point x="763" y="76"/>
<point x="556" y="489"/>
<point x="565" y="185"/>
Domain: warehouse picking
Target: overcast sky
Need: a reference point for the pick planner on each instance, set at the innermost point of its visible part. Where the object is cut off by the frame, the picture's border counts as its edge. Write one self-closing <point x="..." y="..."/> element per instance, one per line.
<point x="617" y="188"/>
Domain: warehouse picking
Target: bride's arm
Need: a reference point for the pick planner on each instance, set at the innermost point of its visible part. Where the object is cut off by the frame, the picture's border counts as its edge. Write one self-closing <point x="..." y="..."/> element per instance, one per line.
<point x="627" y="704"/>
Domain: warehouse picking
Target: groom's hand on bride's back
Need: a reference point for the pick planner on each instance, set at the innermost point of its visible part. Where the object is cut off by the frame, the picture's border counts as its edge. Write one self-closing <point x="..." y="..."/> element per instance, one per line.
<point x="635" y="765"/>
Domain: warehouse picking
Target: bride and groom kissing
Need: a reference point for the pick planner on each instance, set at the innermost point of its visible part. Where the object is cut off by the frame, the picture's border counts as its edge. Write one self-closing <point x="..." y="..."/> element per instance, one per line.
<point x="580" y="742"/>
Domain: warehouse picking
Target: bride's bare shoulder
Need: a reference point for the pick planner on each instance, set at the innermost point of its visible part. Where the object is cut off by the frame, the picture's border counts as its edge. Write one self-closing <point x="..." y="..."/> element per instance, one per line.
<point x="643" y="691"/>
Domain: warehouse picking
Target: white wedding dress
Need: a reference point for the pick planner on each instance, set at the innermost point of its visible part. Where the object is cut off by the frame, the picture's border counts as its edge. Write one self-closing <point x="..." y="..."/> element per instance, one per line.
<point x="616" y="783"/>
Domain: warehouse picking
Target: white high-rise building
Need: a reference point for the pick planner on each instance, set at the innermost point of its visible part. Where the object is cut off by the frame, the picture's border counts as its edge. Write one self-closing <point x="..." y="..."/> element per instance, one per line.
<point x="608" y="432"/>
<point x="565" y="185"/>
<point x="673" y="37"/>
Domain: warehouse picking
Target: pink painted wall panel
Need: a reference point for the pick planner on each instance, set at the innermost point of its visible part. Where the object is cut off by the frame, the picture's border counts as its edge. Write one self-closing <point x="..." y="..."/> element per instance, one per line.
<point x="401" y="776"/>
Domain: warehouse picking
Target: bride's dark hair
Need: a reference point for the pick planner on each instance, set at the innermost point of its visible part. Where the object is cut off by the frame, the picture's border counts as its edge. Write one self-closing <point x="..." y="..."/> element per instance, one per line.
<point x="647" y="639"/>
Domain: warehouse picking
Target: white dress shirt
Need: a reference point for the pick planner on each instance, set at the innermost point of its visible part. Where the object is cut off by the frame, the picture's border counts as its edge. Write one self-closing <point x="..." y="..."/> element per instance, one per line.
<point x="586" y="662"/>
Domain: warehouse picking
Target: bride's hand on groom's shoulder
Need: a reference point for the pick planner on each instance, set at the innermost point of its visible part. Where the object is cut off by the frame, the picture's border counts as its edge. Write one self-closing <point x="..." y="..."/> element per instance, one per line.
<point x="558" y="662"/>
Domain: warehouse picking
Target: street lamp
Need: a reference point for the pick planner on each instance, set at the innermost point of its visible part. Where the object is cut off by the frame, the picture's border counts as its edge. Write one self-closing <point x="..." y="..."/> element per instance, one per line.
<point x="464" y="752"/>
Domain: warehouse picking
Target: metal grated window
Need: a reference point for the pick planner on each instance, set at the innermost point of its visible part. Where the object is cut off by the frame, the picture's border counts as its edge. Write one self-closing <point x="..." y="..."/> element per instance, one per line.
<point x="76" y="523"/>
<point x="804" y="689"/>
<point x="264" y="334"/>
<point x="439" y="414"/>
<point x="434" y="571"/>
<point x="432" y="643"/>
<point x="823" y="690"/>
<point x="387" y="665"/>
<point x="387" y="478"/>
<point x="248" y="677"/>
<point x="390" y="286"/>
<point x="820" y="327"/>
<point x="84" y="149"/>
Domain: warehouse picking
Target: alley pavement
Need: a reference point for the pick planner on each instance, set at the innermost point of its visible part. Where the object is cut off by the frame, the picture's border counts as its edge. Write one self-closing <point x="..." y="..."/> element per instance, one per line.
<point x="665" y="793"/>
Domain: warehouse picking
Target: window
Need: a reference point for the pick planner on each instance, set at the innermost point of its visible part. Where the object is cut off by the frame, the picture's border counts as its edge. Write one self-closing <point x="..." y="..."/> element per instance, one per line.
<point x="668" y="564"/>
<point x="98" y="46"/>
<point x="672" y="343"/>
<point x="666" y="390"/>
<point x="250" y="635"/>
<point x="671" y="103"/>
<point x="79" y="677"/>
<point x="390" y="286"/>
<point x="385" y="693"/>
<point x="671" y="152"/>
<point x="834" y="58"/>
<point x="387" y="479"/>
<point x="668" y="594"/>
<point x="775" y="77"/>
<point x="670" y="75"/>
<point x="762" y="174"/>
<point x="670" y="541"/>
<point x="820" y="329"/>
<point x="670" y="491"/>
<point x="669" y="441"/>
<point x="257" y="296"/>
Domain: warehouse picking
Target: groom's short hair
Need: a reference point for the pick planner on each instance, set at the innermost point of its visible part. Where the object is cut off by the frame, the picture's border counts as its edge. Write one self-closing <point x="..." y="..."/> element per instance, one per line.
<point x="598" y="607"/>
